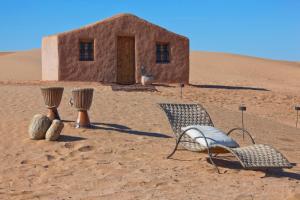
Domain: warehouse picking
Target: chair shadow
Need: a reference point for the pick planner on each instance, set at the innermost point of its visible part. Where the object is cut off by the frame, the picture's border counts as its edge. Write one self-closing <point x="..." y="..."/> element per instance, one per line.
<point x="275" y="172"/>
<point x="280" y="173"/>
<point x="125" y="129"/>
<point x="226" y="163"/>
<point x="224" y="87"/>
<point x="69" y="138"/>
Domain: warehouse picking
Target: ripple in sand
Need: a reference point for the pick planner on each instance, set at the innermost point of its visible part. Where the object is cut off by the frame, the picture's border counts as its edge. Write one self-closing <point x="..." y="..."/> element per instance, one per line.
<point x="103" y="162"/>
<point x="86" y="148"/>
<point x="50" y="157"/>
<point x="287" y="140"/>
<point x="24" y="162"/>
<point x="244" y="197"/>
<point x="69" y="145"/>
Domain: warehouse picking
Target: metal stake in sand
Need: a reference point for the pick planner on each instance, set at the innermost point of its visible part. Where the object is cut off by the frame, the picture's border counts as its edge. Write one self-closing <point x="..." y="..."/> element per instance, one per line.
<point x="181" y="88"/>
<point x="297" y="108"/>
<point x="243" y="108"/>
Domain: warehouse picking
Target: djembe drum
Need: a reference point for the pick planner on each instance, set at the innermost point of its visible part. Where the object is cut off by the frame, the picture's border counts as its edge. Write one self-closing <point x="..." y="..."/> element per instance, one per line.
<point x="52" y="98"/>
<point x="82" y="101"/>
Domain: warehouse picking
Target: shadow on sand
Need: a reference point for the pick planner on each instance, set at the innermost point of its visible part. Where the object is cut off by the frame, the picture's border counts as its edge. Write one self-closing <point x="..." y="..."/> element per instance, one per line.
<point x="224" y="87"/>
<point x="279" y="173"/>
<point x="133" y="88"/>
<point x="67" y="121"/>
<point x="163" y="85"/>
<point x="125" y="129"/>
<point x="69" y="138"/>
<point x="117" y="126"/>
<point x="121" y="128"/>
<point x="276" y="172"/>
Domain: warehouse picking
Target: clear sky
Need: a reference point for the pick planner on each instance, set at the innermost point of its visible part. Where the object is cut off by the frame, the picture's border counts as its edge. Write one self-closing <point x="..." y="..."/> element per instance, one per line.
<point x="262" y="28"/>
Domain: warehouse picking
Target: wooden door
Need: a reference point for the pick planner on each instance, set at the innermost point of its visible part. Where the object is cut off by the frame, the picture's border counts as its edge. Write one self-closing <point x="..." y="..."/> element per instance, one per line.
<point x="125" y="60"/>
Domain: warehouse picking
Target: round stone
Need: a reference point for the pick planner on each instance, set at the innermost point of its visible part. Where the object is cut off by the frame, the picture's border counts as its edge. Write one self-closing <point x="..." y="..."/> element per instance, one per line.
<point x="38" y="127"/>
<point x="54" y="131"/>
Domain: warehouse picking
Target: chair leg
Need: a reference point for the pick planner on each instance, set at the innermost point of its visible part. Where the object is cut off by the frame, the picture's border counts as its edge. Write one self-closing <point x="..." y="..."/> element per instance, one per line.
<point x="212" y="162"/>
<point x="176" y="146"/>
<point x="208" y="151"/>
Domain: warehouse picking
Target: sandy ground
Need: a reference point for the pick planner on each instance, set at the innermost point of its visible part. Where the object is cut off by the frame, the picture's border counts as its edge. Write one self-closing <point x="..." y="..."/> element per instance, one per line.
<point x="124" y="157"/>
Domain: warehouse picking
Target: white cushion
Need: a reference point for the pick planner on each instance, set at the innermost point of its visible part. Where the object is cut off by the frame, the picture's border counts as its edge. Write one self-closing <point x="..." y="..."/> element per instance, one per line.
<point x="212" y="134"/>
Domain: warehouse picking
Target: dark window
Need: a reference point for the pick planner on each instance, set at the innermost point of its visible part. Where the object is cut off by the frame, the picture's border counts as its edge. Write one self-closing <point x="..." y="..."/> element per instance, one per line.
<point x="162" y="53"/>
<point x="86" y="51"/>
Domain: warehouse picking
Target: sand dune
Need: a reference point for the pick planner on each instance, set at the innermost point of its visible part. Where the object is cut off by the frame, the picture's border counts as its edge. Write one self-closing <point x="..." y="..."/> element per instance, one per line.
<point x="22" y="65"/>
<point x="5" y="53"/>
<point x="232" y="70"/>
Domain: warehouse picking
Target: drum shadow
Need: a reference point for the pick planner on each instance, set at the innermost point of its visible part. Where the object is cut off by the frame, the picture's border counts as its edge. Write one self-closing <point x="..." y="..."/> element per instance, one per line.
<point x="125" y="129"/>
<point x="69" y="138"/>
<point x="66" y="121"/>
<point x="118" y="126"/>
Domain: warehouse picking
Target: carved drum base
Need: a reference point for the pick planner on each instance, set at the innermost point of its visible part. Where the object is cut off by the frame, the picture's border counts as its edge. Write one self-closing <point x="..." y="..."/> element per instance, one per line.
<point x="53" y="113"/>
<point x="83" y="120"/>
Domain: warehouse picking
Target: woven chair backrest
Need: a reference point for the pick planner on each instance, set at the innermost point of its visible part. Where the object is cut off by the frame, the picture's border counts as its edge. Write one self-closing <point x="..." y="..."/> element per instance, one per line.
<point x="182" y="115"/>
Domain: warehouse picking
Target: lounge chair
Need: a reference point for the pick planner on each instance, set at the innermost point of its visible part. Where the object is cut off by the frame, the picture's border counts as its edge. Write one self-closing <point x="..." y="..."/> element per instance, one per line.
<point x="255" y="156"/>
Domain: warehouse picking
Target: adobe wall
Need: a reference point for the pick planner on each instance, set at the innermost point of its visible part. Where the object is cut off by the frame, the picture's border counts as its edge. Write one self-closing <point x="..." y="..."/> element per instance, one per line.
<point x="104" y="66"/>
<point x="50" y="58"/>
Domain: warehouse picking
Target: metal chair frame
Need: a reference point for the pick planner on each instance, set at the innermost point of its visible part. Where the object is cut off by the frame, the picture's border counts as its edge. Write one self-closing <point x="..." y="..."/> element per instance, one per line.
<point x="182" y="115"/>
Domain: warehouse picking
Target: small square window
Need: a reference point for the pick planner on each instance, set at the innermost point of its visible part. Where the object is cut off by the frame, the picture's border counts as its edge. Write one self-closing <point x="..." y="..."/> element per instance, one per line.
<point x="86" y="50"/>
<point x="162" y="53"/>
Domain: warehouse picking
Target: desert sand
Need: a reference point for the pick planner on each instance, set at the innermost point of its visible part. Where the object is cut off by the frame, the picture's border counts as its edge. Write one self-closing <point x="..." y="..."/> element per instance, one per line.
<point x="22" y="65"/>
<point x="124" y="157"/>
<point x="236" y="70"/>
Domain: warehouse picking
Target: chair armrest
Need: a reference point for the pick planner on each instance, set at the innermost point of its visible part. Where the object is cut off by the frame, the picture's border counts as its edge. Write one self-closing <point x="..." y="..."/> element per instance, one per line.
<point x="193" y="128"/>
<point x="243" y="131"/>
<point x="208" y="150"/>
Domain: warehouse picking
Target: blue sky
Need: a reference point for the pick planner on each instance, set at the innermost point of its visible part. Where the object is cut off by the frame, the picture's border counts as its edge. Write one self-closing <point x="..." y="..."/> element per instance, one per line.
<point x="262" y="28"/>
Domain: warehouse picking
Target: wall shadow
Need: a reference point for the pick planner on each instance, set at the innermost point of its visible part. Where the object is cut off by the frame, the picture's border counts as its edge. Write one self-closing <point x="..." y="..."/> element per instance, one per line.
<point x="134" y="88"/>
<point x="163" y="85"/>
<point x="224" y="87"/>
